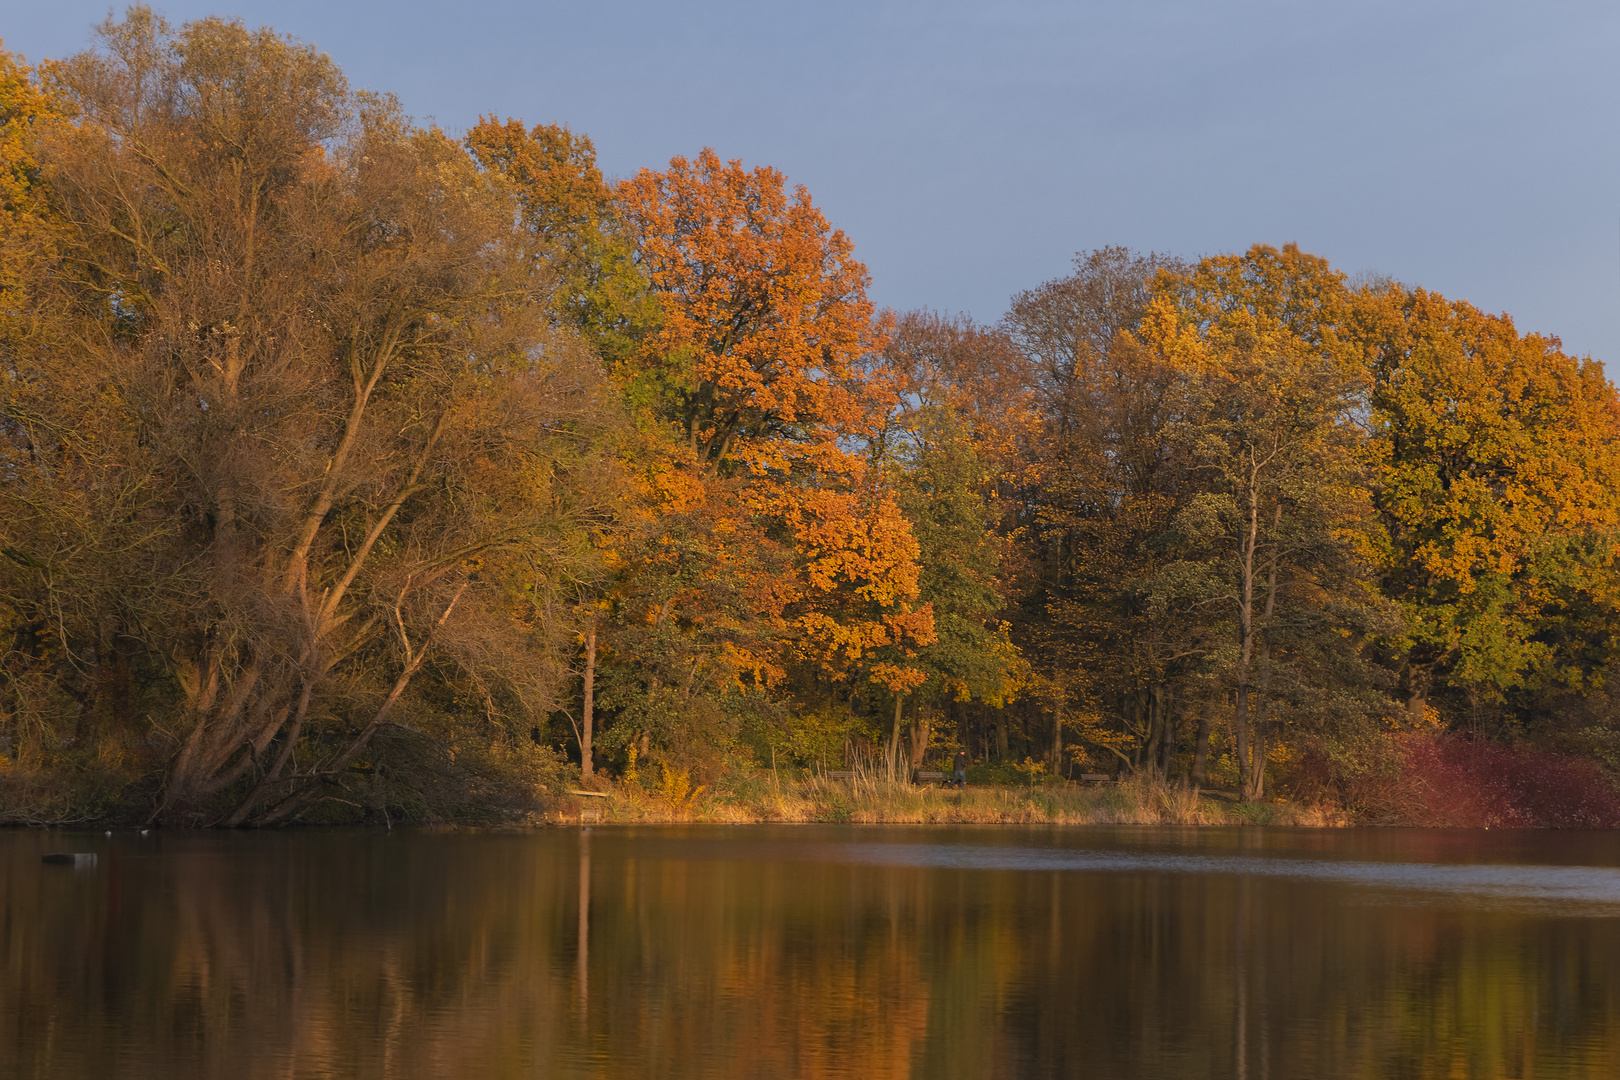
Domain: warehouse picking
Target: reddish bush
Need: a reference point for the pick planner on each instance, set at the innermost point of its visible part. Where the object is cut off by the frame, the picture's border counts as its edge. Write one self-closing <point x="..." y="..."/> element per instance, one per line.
<point x="1476" y="784"/>
<point x="1365" y="776"/>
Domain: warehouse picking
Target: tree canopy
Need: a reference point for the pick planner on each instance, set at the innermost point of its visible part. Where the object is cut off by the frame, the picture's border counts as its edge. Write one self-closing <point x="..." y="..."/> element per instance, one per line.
<point x="350" y="467"/>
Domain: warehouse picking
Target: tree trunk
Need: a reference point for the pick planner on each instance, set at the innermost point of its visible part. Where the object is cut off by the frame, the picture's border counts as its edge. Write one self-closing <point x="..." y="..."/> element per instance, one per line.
<point x="891" y="758"/>
<point x="1167" y="730"/>
<point x="1240" y="737"/>
<point x="1200" y="765"/>
<point x="1057" y="737"/>
<point x="586" y="718"/>
<point x="1140" y="722"/>
<point x="921" y="732"/>
<point x="1262" y="753"/>
<point x="1158" y="731"/>
<point x="1001" y="735"/>
<point x="335" y="767"/>
<point x="1257" y="774"/>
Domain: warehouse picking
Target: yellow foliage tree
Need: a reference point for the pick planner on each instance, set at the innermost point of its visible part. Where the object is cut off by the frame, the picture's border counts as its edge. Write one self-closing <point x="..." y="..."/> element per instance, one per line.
<point x="1496" y="470"/>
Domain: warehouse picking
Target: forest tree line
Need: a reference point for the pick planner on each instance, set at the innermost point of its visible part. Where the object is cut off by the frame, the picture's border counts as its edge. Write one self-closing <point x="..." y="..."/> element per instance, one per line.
<point x="344" y="456"/>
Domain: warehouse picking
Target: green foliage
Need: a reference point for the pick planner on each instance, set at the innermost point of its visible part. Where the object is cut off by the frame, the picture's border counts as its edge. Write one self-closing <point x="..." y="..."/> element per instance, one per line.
<point x="940" y="479"/>
<point x="566" y="204"/>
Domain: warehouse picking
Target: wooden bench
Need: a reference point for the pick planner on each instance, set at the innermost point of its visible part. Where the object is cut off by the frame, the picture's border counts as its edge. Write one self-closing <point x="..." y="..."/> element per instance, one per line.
<point x="1096" y="778"/>
<point x="590" y="814"/>
<point x="842" y="775"/>
<point x="924" y="775"/>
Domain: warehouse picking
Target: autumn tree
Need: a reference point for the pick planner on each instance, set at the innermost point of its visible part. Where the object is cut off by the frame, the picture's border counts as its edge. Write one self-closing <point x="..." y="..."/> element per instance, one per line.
<point x="1497" y="477"/>
<point x="757" y="368"/>
<point x="963" y="410"/>
<point x="1273" y="433"/>
<point x="692" y="617"/>
<point x="568" y="206"/>
<point x="62" y="520"/>
<point x="28" y="238"/>
<point x="976" y="373"/>
<point x="1099" y="485"/>
<point x="765" y="315"/>
<point x="348" y="415"/>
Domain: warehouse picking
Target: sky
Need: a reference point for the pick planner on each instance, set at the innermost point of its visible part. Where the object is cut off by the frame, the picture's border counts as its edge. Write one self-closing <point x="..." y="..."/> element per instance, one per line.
<point x="970" y="150"/>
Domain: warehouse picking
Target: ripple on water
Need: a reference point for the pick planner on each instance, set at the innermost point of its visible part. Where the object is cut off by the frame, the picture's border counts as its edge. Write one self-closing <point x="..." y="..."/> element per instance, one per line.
<point x="1582" y="886"/>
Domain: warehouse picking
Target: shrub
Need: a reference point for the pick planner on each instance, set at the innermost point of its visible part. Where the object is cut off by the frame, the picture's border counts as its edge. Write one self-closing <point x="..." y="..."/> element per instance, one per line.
<point x="1477" y="784"/>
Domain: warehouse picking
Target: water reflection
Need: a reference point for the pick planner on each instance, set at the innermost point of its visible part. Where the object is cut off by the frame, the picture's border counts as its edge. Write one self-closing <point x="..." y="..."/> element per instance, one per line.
<point x="583" y="948"/>
<point x="813" y="952"/>
<point x="1560" y="886"/>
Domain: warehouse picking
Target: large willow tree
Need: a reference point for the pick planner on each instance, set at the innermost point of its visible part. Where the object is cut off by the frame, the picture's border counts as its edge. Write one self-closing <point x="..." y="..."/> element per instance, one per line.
<point x="294" y="420"/>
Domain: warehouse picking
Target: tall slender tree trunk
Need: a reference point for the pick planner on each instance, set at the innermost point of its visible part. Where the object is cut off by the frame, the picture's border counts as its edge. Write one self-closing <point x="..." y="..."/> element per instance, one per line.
<point x="1200" y="764"/>
<point x="586" y="717"/>
<point x="1262" y="734"/>
<point x="1147" y="753"/>
<point x="1155" y="755"/>
<point x="891" y="758"/>
<point x="1057" y="737"/>
<point x="1167" y="730"/>
<point x="1262" y="752"/>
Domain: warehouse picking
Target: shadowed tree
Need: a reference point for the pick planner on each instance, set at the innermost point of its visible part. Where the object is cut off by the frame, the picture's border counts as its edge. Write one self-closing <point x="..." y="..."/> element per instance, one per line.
<point x="345" y="402"/>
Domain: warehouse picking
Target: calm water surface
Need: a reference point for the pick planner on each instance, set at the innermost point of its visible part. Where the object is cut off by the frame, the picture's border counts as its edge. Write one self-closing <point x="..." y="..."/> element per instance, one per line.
<point x="813" y="951"/>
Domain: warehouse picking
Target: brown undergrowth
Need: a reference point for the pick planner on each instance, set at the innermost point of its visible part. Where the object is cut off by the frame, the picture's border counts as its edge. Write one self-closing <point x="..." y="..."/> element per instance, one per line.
<point x="870" y="801"/>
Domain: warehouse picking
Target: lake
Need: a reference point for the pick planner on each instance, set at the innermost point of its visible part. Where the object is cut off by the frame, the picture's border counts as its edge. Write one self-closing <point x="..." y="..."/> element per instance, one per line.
<point x="812" y="951"/>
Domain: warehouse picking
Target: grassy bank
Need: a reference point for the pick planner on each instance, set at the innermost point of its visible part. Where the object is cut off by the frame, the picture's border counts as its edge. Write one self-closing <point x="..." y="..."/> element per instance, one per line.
<point x="873" y="801"/>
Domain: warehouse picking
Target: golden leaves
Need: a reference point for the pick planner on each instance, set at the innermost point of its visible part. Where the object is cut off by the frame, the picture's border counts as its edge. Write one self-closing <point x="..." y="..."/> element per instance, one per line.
<point x="758" y="356"/>
<point x="763" y="304"/>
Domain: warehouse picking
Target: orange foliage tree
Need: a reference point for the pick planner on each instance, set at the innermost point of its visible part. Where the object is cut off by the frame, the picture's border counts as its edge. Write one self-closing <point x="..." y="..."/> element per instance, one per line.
<point x="765" y="315"/>
<point x="758" y="368"/>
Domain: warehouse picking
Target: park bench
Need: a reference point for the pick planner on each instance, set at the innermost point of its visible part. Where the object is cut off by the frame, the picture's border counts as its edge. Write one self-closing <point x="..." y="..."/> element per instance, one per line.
<point x="925" y="775"/>
<point x="841" y="775"/>
<point x="1096" y="778"/>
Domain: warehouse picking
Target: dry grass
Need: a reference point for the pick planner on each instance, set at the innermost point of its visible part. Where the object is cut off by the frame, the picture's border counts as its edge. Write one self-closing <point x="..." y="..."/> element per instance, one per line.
<point x="871" y="801"/>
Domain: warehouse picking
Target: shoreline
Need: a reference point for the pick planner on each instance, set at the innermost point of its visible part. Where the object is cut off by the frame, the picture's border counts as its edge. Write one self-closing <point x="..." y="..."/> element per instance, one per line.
<point x="866" y="801"/>
<point x="761" y="799"/>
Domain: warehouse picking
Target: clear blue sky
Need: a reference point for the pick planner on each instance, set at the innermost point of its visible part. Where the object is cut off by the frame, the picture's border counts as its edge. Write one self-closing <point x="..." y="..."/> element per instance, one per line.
<point x="971" y="149"/>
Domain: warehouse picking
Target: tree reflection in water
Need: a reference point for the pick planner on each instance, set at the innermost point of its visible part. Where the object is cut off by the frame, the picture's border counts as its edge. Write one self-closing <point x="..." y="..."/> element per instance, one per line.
<point x="792" y="952"/>
<point x="583" y="948"/>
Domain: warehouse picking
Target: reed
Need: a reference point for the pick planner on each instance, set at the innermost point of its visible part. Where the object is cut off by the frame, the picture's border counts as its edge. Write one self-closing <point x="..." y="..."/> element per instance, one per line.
<point x="875" y="801"/>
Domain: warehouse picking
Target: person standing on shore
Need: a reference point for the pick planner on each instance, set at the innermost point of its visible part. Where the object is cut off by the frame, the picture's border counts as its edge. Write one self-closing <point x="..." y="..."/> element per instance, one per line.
<point x="959" y="773"/>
